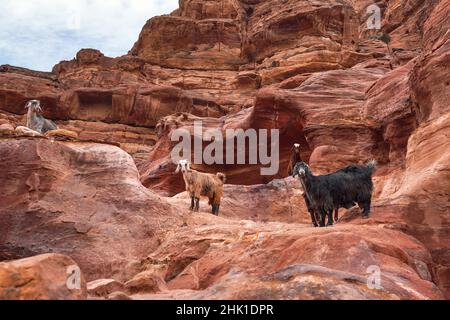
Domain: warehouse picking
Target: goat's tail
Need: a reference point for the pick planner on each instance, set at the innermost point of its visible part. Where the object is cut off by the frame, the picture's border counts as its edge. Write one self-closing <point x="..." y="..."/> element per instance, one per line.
<point x="372" y="165"/>
<point x="222" y="177"/>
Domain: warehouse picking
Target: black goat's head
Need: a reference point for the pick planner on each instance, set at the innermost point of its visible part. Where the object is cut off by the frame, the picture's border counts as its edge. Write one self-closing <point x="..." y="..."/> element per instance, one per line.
<point x="300" y="170"/>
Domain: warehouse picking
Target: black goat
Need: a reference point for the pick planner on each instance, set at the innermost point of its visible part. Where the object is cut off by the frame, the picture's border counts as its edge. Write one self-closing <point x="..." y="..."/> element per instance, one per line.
<point x="342" y="189"/>
<point x="296" y="158"/>
<point x="350" y="169"/>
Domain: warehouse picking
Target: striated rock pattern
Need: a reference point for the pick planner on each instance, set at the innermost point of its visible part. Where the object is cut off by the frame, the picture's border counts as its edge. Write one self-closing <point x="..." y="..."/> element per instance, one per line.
<point x="109" y="199"/>
<point x="248" y="260"/>
<point x="79" y="199"/>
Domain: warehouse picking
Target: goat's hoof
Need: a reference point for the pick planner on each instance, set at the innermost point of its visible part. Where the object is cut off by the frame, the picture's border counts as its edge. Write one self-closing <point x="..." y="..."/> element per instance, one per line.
<point x="365" y="217"/>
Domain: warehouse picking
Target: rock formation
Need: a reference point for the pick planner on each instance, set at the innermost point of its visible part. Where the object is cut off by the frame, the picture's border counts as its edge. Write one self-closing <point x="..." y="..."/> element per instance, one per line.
<point x="43" y="277"/>
<point x="312" y="69"/>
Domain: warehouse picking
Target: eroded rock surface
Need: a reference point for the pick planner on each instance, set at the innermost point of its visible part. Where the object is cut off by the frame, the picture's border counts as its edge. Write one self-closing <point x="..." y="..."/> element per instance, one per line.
<point x="312" y="70"/>
<point x="44" y="277"/>
<point x="84" y="200"/>
<point x="214" y="258"/>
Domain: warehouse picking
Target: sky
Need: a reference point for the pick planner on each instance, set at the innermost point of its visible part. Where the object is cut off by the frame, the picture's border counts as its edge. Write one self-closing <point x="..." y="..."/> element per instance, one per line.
<point x="37" y="34"/>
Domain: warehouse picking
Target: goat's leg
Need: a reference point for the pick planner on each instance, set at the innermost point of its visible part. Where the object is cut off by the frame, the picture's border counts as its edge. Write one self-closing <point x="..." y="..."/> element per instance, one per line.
<point x="217" y="209"/>
<point x="213" y="205"/>
<point x="197" y="205"/>
<point x="217" y="206"/>
<point x="318" y="216"/>
<point x="322" y="218"/>
<point x="330" y="217"/>
<point x="336" y="215"/>
<point x="366" y="211"/>
<point x="192" y="203"/>
<point x="313" y="217"/>
<point x="311" y="211"/>
<point x="361" y="206"/>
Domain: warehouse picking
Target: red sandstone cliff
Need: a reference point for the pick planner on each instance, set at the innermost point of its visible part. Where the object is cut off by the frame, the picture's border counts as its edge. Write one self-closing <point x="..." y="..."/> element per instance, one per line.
<point x="308" y="68"/>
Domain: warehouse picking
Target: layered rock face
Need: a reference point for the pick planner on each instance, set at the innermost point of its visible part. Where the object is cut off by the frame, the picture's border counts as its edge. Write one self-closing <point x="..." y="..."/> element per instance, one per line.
<point x="247" y="260"/>
<point x="79" y="199"/>
<point x="312" y="70"/>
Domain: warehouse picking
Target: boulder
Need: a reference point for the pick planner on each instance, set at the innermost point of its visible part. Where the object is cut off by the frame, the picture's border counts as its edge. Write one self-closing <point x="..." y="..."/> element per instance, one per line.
<point x="43" y="277"/>
<point x="103" y="287"/>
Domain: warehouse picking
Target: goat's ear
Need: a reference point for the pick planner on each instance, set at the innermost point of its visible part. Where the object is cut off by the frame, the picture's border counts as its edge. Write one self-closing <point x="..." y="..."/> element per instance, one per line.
<point x="189" y="167"/>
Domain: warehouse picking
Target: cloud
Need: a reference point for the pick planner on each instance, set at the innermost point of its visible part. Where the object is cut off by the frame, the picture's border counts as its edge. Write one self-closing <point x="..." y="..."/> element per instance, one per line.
<point x="37" y="34"/>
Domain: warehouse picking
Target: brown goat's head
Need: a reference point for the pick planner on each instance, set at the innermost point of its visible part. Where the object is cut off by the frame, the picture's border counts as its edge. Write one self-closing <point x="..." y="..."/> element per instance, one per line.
<point x="183" y="166"/>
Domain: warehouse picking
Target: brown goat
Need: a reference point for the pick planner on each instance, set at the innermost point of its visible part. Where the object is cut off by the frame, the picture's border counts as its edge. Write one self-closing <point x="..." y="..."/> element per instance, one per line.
<point x="202" y="184"/>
